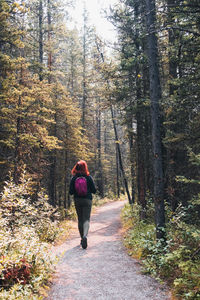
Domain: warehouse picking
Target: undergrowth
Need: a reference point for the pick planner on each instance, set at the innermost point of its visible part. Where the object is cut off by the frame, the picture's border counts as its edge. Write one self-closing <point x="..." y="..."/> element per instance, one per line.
<point x="178" y="261"/>
<point x="26" y="229"/>
<point x="98" y="201"/>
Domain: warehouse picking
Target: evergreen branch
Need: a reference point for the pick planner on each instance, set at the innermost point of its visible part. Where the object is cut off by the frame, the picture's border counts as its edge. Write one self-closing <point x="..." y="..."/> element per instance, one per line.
<point x="185" y="30"/>
<point x="196" y="252"/>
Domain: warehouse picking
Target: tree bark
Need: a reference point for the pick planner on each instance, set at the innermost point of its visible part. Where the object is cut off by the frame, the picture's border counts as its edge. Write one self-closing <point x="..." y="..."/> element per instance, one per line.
<point x="131" y="152"/>
<point x="171" y="184"/>
<point x="155" y="96"/>
<point x="120" y="156"/>
<point x="49" y="41"/>
<point x="53" y="162"/>
<point x="117" y="173"/>
<point x="99" y="162"/>
<point x="140" y="128"/>
<point x="84" y="70"/>
<point x="140" y="165"/>
<point x="41" y="52"/>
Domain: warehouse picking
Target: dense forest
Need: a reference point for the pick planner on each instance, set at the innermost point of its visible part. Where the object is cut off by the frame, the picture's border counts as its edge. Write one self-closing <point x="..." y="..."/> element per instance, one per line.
<point x="133" y="115"/>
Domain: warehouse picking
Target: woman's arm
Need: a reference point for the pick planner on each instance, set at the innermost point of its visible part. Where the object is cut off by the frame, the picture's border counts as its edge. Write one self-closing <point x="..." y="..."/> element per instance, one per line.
<point x="92" y="185"/>
<point x="71" y="186"/>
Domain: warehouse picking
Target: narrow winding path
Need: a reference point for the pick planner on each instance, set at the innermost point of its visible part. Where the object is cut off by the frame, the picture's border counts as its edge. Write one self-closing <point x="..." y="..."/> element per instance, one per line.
<point x="104" y="271"/>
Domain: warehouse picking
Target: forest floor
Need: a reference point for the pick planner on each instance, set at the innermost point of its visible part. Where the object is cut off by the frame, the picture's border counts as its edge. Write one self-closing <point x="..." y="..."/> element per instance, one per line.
<point x="104" y="271"/>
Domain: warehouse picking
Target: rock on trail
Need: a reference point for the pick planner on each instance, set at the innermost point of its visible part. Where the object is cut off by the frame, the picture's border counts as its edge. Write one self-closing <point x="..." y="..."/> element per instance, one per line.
<point x="104" y="271"/>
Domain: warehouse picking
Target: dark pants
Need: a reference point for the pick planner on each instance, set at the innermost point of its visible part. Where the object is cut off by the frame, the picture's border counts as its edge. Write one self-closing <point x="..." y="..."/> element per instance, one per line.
<point x="83" y="209"/>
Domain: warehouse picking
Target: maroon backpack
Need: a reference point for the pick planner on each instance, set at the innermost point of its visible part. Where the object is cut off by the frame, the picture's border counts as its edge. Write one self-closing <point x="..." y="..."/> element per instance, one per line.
<point x="81" y="186"/>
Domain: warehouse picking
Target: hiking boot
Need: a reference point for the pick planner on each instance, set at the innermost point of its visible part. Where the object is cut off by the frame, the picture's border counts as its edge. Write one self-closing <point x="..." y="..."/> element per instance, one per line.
<point x="84" y="242"/>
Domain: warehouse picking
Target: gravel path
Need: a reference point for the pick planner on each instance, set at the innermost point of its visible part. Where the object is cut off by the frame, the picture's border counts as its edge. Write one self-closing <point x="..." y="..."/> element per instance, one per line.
<point x="104" y="271"/>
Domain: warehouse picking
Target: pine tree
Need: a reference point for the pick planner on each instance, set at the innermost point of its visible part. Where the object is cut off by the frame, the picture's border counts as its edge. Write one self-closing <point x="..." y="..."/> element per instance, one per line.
<point x="155" y="96"/>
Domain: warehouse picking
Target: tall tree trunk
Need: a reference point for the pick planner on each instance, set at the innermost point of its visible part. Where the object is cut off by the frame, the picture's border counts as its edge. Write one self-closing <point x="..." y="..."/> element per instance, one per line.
<point x="41" y="39"/>
<point x="155" y="96"/>
<point x="99" y="162"/>
<point x="120" y="156"/>
<point x="131" y="152"/>
<point x="65" y="182"/>
<point x="53" y="155"/>
<point x="106" y="151"/>
<point x="117" y="173"/>
<point x="52" y="183"/>
<point x="41" y="58"/>
<point x="141" y="164"/>
<point x="49" y="41"/>
<point x="140" y="126"/>
<point x="148" y="153"/>
<point x="84" y="70"/>
<point x="67" y="199"/>
<point x="171" y="185"/>
<point x="147" y="123"/>
<point x="140" y="148"/>
<point x="53" y="162"/>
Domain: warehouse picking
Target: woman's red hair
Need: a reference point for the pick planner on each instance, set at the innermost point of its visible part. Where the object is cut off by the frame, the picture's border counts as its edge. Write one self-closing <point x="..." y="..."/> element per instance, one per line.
<point x="80" y="168"/>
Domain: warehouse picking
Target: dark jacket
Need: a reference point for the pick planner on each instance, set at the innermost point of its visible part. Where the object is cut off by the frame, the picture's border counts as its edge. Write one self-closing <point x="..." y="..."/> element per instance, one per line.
<point x="90" y="186"/>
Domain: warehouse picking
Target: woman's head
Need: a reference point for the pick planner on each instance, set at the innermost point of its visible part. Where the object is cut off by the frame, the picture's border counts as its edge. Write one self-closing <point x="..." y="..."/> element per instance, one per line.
<point x="80" y="168"/>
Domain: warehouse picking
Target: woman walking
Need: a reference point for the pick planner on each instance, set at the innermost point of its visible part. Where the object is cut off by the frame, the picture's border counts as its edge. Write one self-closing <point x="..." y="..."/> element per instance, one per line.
<point x="82" y="187"/>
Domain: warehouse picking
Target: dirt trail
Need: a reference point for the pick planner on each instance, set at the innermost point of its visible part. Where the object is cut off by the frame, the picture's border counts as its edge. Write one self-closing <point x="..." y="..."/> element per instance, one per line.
<point x="104" y="271"/>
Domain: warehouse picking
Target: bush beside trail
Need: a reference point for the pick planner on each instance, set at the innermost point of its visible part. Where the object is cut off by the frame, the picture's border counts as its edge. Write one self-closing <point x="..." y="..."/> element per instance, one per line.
<point x="178" y="261"/>
<point x="26" y="229"/>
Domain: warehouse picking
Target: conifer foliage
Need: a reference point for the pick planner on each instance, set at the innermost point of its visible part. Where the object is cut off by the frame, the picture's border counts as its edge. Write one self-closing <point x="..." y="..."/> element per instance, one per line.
<point x="175" y="26"/>
<point x="40" y="125"/>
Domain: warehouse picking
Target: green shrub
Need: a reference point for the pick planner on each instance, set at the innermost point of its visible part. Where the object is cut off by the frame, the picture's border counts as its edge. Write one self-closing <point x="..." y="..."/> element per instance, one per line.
<point x="178" y="261"/>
